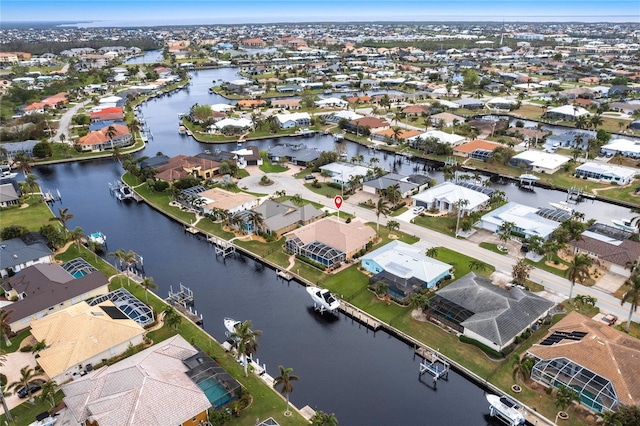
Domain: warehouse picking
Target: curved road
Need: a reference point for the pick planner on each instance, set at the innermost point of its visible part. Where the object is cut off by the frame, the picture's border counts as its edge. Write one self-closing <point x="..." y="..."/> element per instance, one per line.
<point x="553" y="283"/>
<point x="65" y="122"/>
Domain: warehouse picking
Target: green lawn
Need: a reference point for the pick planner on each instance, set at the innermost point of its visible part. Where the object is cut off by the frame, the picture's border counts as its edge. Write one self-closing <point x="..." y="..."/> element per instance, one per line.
<point x="25" y="413"/>
<point x="491" y="246"/>
<point x="347" y="283"/>
<point x="400" y="211"/>
<point x="33" y="217"/>
<point x="461" y="263"/>
<point x="91" y="258"/>
<point x="325" y="190"/>
<point x="443" y="224"/>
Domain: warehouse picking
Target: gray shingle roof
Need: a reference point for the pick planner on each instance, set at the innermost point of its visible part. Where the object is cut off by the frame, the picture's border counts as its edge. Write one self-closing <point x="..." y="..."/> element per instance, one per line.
<point x="281" y="215"/>
<point x="16" y="252"/>
<point x="500" y="315"/>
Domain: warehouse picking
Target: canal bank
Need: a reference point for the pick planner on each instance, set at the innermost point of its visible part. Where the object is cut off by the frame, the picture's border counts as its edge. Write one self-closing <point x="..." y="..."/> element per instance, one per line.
<point x="352" y="311"/>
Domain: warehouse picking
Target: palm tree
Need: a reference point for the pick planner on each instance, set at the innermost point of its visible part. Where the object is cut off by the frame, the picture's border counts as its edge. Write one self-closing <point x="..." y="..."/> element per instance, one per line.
<point x="147" y="284"/>
<point x="111" y="132"/>
<point x="520" y="271"/>
<point x="578" y="269"/>
<point x="504" y="232"/>
<point x="393" y="225"/>
<point x="39" y="346"/>
<point x="245" y="342"/>
<point x="63" y="217"/>
<point x="77" y="235"/>
<point x="393" y="193"/>
<point x="129" y="258"/>
<point x="5" y="328"/>
<point x="564" y="397"/>
<point x="172" y="318"/>
<point x="522" y="366"/>
<point x="460" y="205"/>
<point x="30" y="182"/>
<point x="477" y="265"/>
<point x="381" y="208"/>
<point x="632" y="296"/>
<point x="49" y="389"/>
<point x="27" y="374"/>
<point x="284" y="380"/>
<point x="432" y="252"/>
<point x="321" y="418"/>
<point x="21" y="161"/>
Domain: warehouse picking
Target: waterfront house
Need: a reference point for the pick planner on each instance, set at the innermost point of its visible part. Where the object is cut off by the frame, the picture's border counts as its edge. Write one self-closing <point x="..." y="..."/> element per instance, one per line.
<point x="163" y="384"/>
<point x="13" y="148"/>
<point x="526" y="219"/>
<point x="286" y="103"/>
<point x="446" y="119"/>
<point x="570" y="139"/>
<point x="22" y="252"/>
<point x="103" y="139"/>
<point x="251" y="103"/>
<point x="477" y="148"/>
<point x="372" y="123"/>
<point x="297" y="154"/>
<point x="487" y="313"/>
<point x="605" y="172"/>
<point x="111" y="113"/>
<point x="445" y="196"/>
<point x="596" y="360"/>
<point x="297" y="119"/>
<point x="233" y="202"/>
<point x="626" y="147"/>
<point x="182" y="166"/>
<point x="330" y="241"/>
<point x="389" y="135"/>
<point x="332" y="103"/>
<point x="9" y="193"/>
<point x="566" y="112"/>
<point x="404" y="269"/>
<point x="539" y="161"/>
<point x="98" y="333"/>
<point x="280" y="218"/>
<point x="442" y="137"/>
<point x="42" y="289"/>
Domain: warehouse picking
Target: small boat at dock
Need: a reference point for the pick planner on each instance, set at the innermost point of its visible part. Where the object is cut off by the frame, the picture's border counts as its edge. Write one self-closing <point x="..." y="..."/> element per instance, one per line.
<point x="562" y="205"/>
<point x="506" y="409"/>
<point x="182" y="130"/>
<point x="323" y="300"/>
<point x="625" y="225"/>
<point x="98" y="238"/>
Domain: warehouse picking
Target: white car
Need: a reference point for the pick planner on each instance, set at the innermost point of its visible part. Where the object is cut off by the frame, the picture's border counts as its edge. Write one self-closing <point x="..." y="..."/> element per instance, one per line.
<point x="418" y="209"/>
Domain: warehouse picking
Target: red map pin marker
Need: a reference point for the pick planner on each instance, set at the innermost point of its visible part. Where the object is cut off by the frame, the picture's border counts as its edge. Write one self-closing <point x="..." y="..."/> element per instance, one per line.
<point x="337" y="200"/>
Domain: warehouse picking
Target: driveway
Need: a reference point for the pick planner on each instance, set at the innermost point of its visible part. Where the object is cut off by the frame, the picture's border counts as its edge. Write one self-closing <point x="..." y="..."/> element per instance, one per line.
<point x="14" y="362"/>
<point x="65" y="122"/>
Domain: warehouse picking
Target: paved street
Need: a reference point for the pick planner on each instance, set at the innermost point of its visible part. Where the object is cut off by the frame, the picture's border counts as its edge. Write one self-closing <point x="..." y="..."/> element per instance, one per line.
<point x="553" y="283"/>
<point x="65" y="122"/>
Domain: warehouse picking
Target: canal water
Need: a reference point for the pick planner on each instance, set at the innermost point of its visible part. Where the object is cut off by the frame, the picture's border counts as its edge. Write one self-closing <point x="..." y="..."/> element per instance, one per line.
<point x="365" y="378"/>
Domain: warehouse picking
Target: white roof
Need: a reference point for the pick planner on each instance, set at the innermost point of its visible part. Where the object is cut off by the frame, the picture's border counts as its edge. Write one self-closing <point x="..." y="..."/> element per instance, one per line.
<point x="452" y="193"/>
<point x="622" y="145"/>
<point x="110" y="99"/>
<point x="240" y="82"/>
<point x="407" y="261"/>
<point x="541" y="159"/>
<point x="347" y="115"/>
<point x="444" y="103"/>
<point x="501" y="101"/>
<point x="331" y="101"/>
<point x="295" y="116"/>
<point x="609" y="169"/>
<point x="345" y="170"/>
<point x="221" y="107"/>
<point x="569" y="110"/>
<point x="524" y="217"/>
<point x="234" y="122"/>
<point x="451" y="139"/>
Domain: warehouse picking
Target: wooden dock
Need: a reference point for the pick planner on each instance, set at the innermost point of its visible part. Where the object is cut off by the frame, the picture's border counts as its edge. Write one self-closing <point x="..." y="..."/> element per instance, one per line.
<point x="360" y="316"/>
<point x="224" y="248"/>
<point x="284" y="275"/>
<point x="191" y="230"/>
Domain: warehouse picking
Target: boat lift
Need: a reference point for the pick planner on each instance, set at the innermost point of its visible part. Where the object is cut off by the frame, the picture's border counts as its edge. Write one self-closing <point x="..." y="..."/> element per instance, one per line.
<point x="438" y="368"/>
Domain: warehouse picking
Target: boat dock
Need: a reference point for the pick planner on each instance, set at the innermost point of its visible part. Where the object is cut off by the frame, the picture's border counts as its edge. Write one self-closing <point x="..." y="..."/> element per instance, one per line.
<point x="435" y="366"/>
<point x="284" y="275"/>
<point x="183" y="301"/>
<point x="360" y="316"/>
<point x="223" y="247"/>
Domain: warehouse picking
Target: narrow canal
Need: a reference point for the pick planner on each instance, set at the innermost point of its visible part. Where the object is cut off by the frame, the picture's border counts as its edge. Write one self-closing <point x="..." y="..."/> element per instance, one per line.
<point x="362" y="377"/>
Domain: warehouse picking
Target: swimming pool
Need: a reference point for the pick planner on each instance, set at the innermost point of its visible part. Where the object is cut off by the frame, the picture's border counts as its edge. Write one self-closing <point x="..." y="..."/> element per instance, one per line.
<point x="79" y="274"/>
<point x="215" y="392"/>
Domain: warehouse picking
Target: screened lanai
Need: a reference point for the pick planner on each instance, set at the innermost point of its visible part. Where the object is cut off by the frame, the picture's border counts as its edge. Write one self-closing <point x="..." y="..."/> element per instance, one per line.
<point x="594" y="390"/>
<point x="449" y="312"/>
<point x="129" y="304"/>
<point x="316" y="251"/>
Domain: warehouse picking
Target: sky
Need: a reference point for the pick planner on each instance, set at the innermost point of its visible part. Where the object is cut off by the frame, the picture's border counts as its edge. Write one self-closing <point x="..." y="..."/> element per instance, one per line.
<point x="191" y="12"/>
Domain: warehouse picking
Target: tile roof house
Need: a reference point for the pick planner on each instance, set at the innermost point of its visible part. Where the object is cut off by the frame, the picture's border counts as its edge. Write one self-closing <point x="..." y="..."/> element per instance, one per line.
<point x="184" y="165"/>
<point x="217" y="198"/>
<point x="330" y="241"/>
<point x="280" y="218"/>
<point x="599" y="362"/>
<point x="444" y="197"/>
<point x="102" y="139"/>
<point x="487" y="313"/>
<point x="19" y="253"/>
<point x="472" y="148"/>
<point x="148" y="388"/>
<point x="112" y="113"/>
<point x="372" y="123"/>
<point x="44" y="288"/>
<point x="81" y="336"/>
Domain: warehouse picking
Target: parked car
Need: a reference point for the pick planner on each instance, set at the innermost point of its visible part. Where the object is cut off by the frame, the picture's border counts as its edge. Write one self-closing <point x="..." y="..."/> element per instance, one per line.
<point x="418" y="209"/>
<point x="609" y="319"/>
<point x="33" y="387"/>
<point x="309" y="177"/>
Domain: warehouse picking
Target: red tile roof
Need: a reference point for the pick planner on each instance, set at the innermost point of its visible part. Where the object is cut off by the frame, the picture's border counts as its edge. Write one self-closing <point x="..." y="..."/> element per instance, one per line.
<point x="100" y="136"/>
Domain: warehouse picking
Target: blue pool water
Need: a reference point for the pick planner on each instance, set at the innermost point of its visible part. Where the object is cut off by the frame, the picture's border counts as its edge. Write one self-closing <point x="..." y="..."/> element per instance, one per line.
<point x="79" y="274"/>
<point x="216" y="393"/>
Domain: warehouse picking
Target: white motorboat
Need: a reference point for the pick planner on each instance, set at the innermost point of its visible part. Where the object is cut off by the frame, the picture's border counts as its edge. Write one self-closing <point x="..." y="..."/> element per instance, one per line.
<point x="323" y="300"/>
<point x="97" y="237"/>
<point x="124" y="193"/>
<point x="562" y="205"/>
<point x="505" y="408"/>
<point x="230" y="324"/>
<point x="625" y="225"/>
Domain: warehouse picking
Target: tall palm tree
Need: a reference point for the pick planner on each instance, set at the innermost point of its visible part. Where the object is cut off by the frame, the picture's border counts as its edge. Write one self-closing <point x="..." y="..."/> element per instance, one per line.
<point x="77" y="235"/>
<point x="49" y="389"/>
<point x="30" y="181"/>
<point x="27" y="374"/>
<point x="632" y="296"/>
<point x="5" y="328"/>
<point x="578" y="269"/>
<point x="172" y="318"/>
<point x="147" y="284"/>
<point x="63" y="217"/>
<point x="284" y="380"/>
<point x="245" y="342"/>
<point x="129" y="258"/>
<point x="432" y="252"/>
<point x="520" y="271"/>
<point x="256" y="220"/>
<point x="21" y="161"/>
<point x="382" y="208"/>
<point x="393" y="193"/>
<point x="522" y="366"/>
